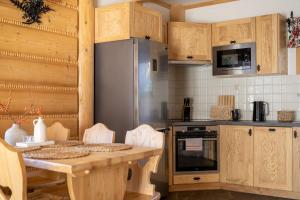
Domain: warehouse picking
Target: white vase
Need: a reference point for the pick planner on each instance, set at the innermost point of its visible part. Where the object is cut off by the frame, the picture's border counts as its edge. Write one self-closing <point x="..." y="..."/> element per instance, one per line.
<point x="14" y="134"/>
<point x="40" y="130"/>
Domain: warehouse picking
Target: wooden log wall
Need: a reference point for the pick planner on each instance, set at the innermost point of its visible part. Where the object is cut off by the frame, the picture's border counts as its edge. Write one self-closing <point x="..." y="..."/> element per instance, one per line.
<point x="39" y="64"/>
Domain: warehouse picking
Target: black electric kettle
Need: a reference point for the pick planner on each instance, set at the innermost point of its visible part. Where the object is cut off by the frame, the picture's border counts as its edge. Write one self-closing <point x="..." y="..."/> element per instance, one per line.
<point x="260" y="111"/>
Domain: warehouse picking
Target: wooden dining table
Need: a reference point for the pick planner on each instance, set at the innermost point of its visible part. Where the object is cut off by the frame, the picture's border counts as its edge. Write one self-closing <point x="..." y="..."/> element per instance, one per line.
<point x="98" y="176"/>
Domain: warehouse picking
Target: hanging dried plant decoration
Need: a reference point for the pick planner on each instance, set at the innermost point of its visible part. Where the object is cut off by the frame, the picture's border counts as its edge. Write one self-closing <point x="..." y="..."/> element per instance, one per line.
<point x="33" y="9"/>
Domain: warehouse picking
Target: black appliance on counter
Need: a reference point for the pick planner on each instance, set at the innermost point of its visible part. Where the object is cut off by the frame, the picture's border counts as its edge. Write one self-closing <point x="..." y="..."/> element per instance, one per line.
<point x="186" y="110"/>
<point x="196" y="149"/>
<point x="260" y="111"/>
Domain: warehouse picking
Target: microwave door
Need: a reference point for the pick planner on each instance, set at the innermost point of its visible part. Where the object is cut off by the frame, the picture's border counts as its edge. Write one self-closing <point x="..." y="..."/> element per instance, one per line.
<point x="234" y="59"/>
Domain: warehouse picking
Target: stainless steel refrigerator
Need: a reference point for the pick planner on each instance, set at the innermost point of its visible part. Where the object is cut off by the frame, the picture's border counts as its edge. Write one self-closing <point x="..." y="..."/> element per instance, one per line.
<point x="131" y="88"/>
<point x="131" y="85"/>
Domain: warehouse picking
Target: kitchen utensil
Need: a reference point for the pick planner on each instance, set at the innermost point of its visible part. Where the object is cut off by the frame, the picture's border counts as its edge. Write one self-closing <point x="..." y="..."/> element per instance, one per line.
<point x="221" y="112"/>
<point x="226" y="100"/>
<point x="186" y="110"/>
<point x="286" y="116"/>
<point x="236" y="114"/>
<point x="260" y="111"/>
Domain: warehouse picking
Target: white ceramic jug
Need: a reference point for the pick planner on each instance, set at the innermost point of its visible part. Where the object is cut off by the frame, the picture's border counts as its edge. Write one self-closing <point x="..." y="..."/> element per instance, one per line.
<point x="40" y="130"/>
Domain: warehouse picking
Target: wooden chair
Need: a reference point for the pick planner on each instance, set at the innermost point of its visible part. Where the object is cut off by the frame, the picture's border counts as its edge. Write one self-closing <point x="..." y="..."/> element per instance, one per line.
<point x="58" y="132"/>
<point x="41" y="178"/>
<point x="138" y="185"/>
<point x="99" y="133"/>
<point x="13" y="176"/>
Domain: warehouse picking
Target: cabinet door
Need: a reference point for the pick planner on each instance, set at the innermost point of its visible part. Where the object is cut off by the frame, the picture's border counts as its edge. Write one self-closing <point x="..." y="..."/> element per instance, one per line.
<point x="147" y="23"/>
<point x="236" y="166"/>
<point x="296" y="160"/>
<point x="271" y="44"/>
<point x="239" y="31"/>
<point x="112" y="22"/>
<point x="273" y="158"/>
<point x="189" y="41"/>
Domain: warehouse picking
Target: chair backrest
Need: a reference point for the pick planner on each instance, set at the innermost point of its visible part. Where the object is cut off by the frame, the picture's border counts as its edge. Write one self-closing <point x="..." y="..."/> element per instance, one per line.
<point x="58" y="132"/>
<point x="12" y="173"/>
<point x="97" y="134"/>
<point x="144" y="136"/>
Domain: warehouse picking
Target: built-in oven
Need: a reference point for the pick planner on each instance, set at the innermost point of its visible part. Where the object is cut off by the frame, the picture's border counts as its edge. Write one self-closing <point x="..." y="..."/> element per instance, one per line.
<point x="196" y="149"/>
<point x="234" y="59"/>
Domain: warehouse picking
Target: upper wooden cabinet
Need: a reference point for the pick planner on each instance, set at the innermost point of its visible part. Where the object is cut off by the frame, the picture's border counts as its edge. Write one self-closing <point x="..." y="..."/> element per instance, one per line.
<point x="273" y="158"/>
<point x="236" y="150"/>
<point x="271" y="49"/>
<point x="235" y="31"/>
<point x="125" y="20"/>
<point x="189" y="41"/>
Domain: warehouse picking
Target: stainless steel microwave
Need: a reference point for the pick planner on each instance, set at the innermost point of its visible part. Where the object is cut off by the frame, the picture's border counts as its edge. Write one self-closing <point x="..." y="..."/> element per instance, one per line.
<point x="234" y="59"/>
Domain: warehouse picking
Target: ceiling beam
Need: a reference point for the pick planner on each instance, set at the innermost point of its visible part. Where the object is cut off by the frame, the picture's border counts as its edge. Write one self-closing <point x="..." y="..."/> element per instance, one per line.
<point x="158" y="2"/>
<point x="205" y="3"/>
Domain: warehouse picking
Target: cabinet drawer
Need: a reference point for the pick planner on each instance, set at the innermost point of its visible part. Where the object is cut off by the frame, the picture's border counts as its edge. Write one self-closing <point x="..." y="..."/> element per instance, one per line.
<point x="196" y="178"/>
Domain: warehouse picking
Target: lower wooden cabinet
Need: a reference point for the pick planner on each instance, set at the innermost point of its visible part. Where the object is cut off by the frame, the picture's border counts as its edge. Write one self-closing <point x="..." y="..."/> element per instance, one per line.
<point x="273" y="157"/>
<point x="236" y="149"/>
<point x="196" y="178"/>
<point x="296" y="160"/>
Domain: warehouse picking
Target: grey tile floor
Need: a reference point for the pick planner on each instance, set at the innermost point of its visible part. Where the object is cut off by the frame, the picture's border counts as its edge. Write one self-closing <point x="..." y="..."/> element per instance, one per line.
<point x="217" y="195"/>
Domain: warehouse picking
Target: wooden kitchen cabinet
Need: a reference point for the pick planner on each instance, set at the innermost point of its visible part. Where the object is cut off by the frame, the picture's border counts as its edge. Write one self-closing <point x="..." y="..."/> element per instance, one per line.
<point x="234" y="31"/>
<point x="296" y="160"/>
<point x="189" y="41"/>
<point x="236" y="155"/>
<point x="125" y="20"/>
<point x="273" y="157"/>
<point x="271" y="49"/>
<point x="196" y="178"/>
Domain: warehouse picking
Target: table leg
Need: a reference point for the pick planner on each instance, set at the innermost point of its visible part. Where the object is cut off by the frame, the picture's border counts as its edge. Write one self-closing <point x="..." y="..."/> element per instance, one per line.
<point x="100" y="184"/>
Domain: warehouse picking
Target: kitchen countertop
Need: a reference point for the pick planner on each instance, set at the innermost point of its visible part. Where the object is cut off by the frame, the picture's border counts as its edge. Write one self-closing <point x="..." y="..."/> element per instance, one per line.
<point x="230" y="122"/>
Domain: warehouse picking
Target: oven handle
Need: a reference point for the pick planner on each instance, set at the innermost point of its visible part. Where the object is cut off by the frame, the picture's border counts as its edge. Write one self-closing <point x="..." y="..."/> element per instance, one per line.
<point x="204" y="139"/>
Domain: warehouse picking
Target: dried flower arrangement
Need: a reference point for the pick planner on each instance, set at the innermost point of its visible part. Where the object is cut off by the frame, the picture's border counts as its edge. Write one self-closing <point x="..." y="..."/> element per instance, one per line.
<point x="293" y="31"/>
<point x="19" y="119"/>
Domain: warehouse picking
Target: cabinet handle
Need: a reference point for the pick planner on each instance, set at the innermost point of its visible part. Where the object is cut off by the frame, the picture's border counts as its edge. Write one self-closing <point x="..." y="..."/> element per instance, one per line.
<point x="250" y="132"/>
<point x="232" y="42"/>
<point x="295" y="134"/>
<point x="258" y="68"/>
<point x="189" y="57"/>
<point x="147" y="37"/>
<point x="196" y="178"/>
<point x="272" y="129"/>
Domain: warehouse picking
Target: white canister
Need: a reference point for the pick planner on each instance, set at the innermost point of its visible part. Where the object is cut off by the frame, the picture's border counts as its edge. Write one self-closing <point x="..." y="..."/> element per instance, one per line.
<point x="40" y="130"/>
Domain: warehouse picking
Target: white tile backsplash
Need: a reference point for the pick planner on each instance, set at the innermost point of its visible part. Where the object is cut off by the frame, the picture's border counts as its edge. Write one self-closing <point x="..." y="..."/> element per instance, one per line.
<point x="197" y="82"/>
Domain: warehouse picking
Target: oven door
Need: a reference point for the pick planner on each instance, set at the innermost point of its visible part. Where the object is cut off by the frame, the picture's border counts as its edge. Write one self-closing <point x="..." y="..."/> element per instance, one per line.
<point x="197" y="158"/>
<point x="234" y="59"/>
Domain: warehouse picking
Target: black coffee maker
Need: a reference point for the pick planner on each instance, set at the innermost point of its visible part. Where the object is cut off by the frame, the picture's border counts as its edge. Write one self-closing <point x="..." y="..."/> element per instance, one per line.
<point x="260" y="111"/>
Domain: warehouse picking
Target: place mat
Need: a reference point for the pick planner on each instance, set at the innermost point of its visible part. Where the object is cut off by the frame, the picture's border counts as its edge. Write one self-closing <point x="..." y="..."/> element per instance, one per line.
<point x="68" y="143"/>
<point x="103" y="147"/>
<point x="27" y="149"/>
<point x="55" y="154"/>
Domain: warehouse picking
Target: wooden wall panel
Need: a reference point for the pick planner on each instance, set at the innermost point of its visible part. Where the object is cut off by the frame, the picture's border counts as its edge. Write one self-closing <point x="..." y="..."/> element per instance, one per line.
<point x="67" y="3"/>
<point x="63" y="20"/>
<point x="69" y="121"/>
<point x="17" y="70"/>
<point x="27" y="40"/>
<point x="39" y="64"/>
<point x="52" y="102"/>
